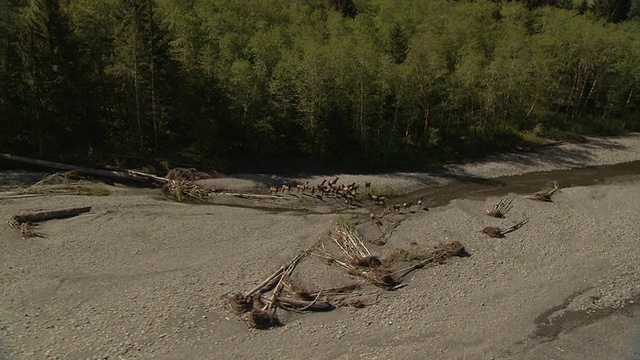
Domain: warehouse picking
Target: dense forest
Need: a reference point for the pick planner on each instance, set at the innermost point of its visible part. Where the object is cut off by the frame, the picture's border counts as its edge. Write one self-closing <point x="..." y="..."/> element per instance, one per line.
<point x="273" y="84"/>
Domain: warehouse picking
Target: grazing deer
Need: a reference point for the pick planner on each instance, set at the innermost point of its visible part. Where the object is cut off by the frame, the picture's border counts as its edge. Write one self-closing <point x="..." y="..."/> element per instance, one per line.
<point x="367" y="185"/>
<point x="350" y="198"/>
<point x="335" y="181"/>
<point x="286" y="188"/>
<point x="321" y="185"/>
<point x="303" y="187"/>
<point x="407" y="206"/>
<point x="396" y="208"/>
<point x="273" y="190"/>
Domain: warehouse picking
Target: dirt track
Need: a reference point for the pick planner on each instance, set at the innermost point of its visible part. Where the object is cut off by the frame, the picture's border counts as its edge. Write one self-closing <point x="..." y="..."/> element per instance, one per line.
<point x="141" y="276"/>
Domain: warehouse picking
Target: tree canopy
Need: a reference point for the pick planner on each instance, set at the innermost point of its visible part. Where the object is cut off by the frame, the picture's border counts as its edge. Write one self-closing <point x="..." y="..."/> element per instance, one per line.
<point x="269" y="85"/>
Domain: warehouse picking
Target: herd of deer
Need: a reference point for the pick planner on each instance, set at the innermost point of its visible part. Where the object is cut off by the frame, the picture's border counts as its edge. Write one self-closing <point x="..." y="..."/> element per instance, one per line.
<point x="350" y="195"/>
<point x="348" y="192"/>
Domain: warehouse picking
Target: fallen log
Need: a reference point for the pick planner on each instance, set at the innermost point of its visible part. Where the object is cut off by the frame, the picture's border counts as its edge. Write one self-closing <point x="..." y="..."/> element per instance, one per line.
<point x="300" y="305"/>
<point x="159" y="180"/>
<point x="249" y="196"/>
<point x="18" y="196"/>
<point x="48" y="215"/>
<point x="125" y="176"/>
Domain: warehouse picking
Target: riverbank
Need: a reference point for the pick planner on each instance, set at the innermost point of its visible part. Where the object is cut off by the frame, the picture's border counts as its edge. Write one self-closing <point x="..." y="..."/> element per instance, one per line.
<point x="596" y="151"/>
<point x="141" y="277"/>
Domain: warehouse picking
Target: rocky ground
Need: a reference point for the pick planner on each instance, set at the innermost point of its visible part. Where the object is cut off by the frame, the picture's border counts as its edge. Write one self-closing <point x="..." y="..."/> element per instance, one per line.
<point x="141" y="276"/>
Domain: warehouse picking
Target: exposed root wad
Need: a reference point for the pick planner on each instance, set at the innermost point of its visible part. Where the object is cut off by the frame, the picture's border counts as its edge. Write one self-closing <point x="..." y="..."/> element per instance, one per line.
<point x="496" y="232"/>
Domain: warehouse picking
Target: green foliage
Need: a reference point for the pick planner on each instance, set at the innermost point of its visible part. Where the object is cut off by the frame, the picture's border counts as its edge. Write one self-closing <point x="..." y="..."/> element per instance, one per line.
<point x="346" y="7"/>
<point x="610" y="10"/>
<point x="269" y="85"/>
<point x="398" y="44"/>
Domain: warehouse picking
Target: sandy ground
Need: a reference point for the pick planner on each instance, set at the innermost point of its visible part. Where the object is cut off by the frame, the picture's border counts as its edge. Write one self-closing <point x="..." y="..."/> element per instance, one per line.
<point x="141" y="277"/>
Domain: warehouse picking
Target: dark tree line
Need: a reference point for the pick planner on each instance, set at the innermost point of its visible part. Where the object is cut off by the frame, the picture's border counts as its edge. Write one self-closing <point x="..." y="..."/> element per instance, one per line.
<point x="302" y="83"/>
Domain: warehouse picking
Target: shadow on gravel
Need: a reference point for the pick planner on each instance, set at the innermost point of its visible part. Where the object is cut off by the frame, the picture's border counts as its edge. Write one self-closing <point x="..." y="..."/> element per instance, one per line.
<point x="550" y="327"/>
<point x="556" y="155"/>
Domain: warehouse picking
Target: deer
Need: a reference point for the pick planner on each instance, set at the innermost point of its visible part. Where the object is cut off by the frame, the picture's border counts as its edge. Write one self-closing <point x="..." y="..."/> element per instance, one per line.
<point x="303" y="187"/>
<point x="321" y="185"/>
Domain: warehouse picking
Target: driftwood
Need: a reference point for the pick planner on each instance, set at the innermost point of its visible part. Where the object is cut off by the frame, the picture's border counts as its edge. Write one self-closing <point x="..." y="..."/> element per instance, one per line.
<point x="24" y="223"/>
<point x="116" y="175"/>
<point x="301" y="305"/>
<point x="157" y="179"/>
<point x="357" y="259"/>
<point x="9" y="196"/>
<point x="496" y="232"/>
<point x="263" y="317"/>
<point x="260" y="309"/>
<point x="48" y="215"/>
<point x="438" y="256"/>
<point x="500" y="209"/>
<point x="182" y="190"/>
<point x="249" y="196"/>
<point x="545" y="195"/>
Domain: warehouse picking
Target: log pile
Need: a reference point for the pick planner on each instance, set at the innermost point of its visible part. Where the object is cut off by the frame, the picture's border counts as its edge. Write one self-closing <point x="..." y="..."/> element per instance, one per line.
<point x="279" y="291"/>
<point x="185" y="190"/>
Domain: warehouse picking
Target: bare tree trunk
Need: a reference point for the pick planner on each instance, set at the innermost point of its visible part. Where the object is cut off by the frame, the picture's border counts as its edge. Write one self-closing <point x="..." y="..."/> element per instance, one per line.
<point x="593" y="86"/>
<point x="425" y="115"/>
<point x="577" y="110"/>
<point x="573" y="101"/>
